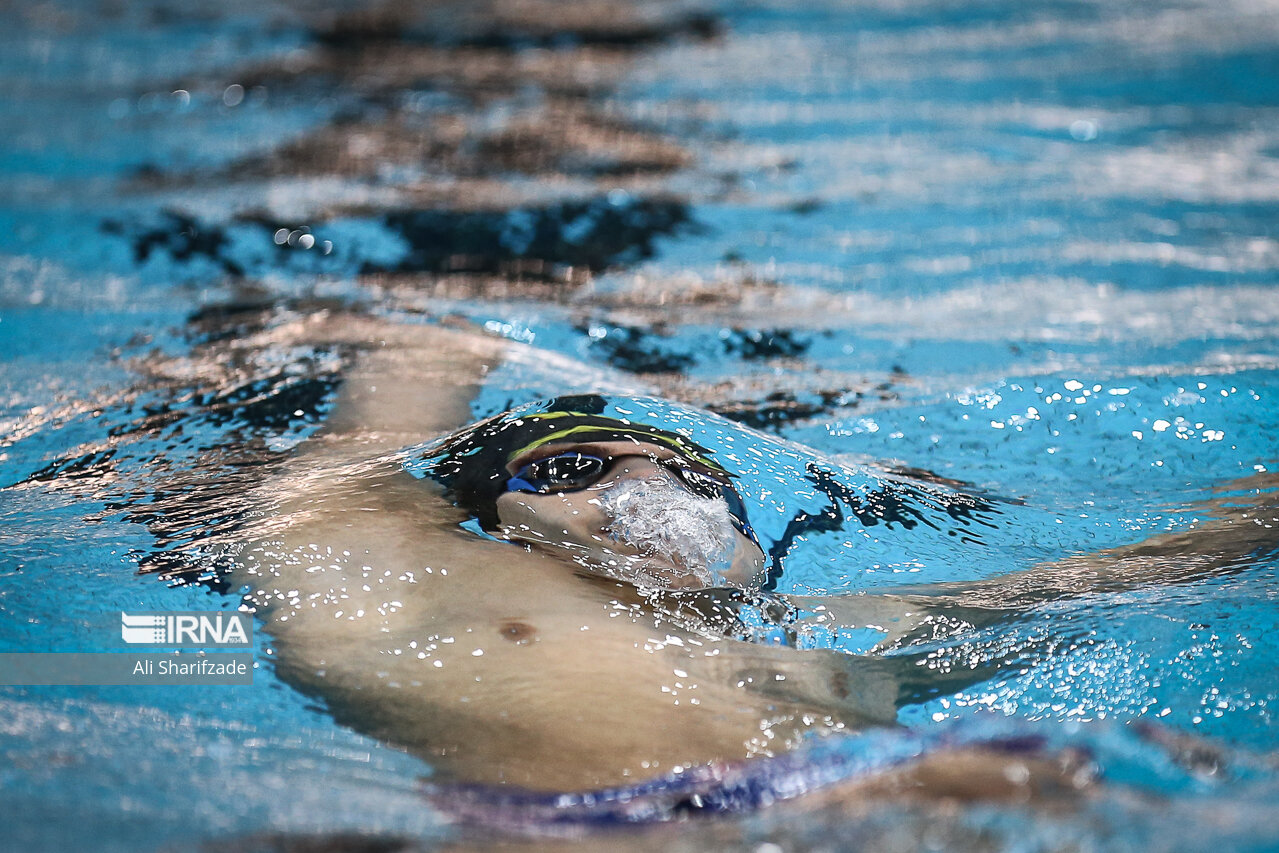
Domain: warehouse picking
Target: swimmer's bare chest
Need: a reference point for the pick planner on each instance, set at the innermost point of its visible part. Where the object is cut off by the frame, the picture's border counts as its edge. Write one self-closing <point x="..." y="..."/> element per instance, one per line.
<point x="500" y="663"/>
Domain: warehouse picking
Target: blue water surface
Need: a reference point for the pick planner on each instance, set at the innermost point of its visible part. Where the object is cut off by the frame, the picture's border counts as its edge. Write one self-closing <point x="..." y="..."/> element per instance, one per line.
<point x="1033" y="247"/>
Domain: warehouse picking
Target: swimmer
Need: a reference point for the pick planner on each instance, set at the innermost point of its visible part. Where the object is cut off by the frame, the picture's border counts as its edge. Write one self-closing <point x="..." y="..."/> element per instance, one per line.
<point x="512" y="601"/>
<point x="527" y="650"/>
<point x="627" y="500"/>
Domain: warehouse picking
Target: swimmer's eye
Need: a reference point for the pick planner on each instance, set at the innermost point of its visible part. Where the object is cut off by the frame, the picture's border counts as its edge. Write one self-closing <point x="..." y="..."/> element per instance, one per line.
<point x="563" y="473"/>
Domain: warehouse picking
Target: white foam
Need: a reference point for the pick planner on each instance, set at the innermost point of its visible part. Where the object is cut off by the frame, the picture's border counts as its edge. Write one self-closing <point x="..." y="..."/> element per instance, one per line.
<point x="664" y="521"/>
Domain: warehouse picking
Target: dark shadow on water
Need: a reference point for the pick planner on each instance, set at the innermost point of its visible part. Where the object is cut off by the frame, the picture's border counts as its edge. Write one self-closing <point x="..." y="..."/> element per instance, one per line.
<point x="635" y="350"/>
<point x="507" y="26"/>
<point x="757" y="344"/>
<point x="179" y="235"/>
<point x="549" y="243"/>
<point x="592" y="235"/>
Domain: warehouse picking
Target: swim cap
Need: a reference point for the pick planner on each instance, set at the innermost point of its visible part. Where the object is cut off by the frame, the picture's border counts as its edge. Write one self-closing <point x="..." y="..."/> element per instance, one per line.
<point x="472" y="464"/>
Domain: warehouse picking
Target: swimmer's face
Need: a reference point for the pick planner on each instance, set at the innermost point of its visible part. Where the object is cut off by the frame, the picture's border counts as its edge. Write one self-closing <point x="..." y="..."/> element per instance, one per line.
<point x="631" y="510"/>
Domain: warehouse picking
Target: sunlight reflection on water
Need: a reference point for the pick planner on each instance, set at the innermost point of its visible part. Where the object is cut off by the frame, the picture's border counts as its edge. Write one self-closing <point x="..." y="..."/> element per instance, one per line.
<point x="1031" y="248"/>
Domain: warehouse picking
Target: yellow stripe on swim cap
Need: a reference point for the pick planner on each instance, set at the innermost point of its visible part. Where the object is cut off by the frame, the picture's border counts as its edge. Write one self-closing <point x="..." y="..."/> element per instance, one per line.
<point x="615" y="429"/>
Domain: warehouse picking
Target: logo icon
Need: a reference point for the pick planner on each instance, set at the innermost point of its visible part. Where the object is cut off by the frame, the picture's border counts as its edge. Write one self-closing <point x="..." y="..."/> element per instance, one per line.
<point x="147" y="629"/>
<point x="185" y="629"/>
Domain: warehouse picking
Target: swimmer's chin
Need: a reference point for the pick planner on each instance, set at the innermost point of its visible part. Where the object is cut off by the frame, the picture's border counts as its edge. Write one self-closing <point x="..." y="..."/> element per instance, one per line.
<point x="651" y="572"/>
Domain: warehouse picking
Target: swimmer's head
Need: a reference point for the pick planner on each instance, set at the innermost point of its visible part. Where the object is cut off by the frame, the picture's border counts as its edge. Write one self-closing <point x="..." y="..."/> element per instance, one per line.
<point x="629" y="500"/>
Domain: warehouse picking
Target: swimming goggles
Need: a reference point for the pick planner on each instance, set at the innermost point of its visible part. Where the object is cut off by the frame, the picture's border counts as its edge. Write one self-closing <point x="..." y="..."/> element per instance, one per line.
<point x="574" y="471"/>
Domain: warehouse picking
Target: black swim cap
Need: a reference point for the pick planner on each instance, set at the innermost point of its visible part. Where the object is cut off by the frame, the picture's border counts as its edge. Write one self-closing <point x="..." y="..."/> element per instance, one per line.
<point x="472" y="464"/>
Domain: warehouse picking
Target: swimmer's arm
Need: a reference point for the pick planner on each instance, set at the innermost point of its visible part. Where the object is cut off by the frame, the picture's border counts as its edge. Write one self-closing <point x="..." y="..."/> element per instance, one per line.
<point x="1235" y="531"/>
<point x="895" y="615"/>
<point x="408" y="384"/>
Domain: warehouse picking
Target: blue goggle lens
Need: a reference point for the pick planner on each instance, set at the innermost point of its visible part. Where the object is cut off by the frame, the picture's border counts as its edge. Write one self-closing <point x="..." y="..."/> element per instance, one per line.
<point x="563" y="473"/>
<point x="570" y="472"/>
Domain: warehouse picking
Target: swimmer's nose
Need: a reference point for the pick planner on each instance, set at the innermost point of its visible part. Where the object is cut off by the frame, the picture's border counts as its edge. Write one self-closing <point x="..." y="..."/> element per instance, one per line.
<point x="748" y="559"/>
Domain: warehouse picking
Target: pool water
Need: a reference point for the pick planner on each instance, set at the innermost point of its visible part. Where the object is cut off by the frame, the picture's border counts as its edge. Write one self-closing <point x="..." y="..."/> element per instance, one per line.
<point x="1030" y="247"/>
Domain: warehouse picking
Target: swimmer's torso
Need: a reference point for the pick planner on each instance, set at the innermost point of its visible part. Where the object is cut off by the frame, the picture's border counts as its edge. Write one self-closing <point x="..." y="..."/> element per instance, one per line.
<point x="498" y="661"/>
<point x="501" y="663"/>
